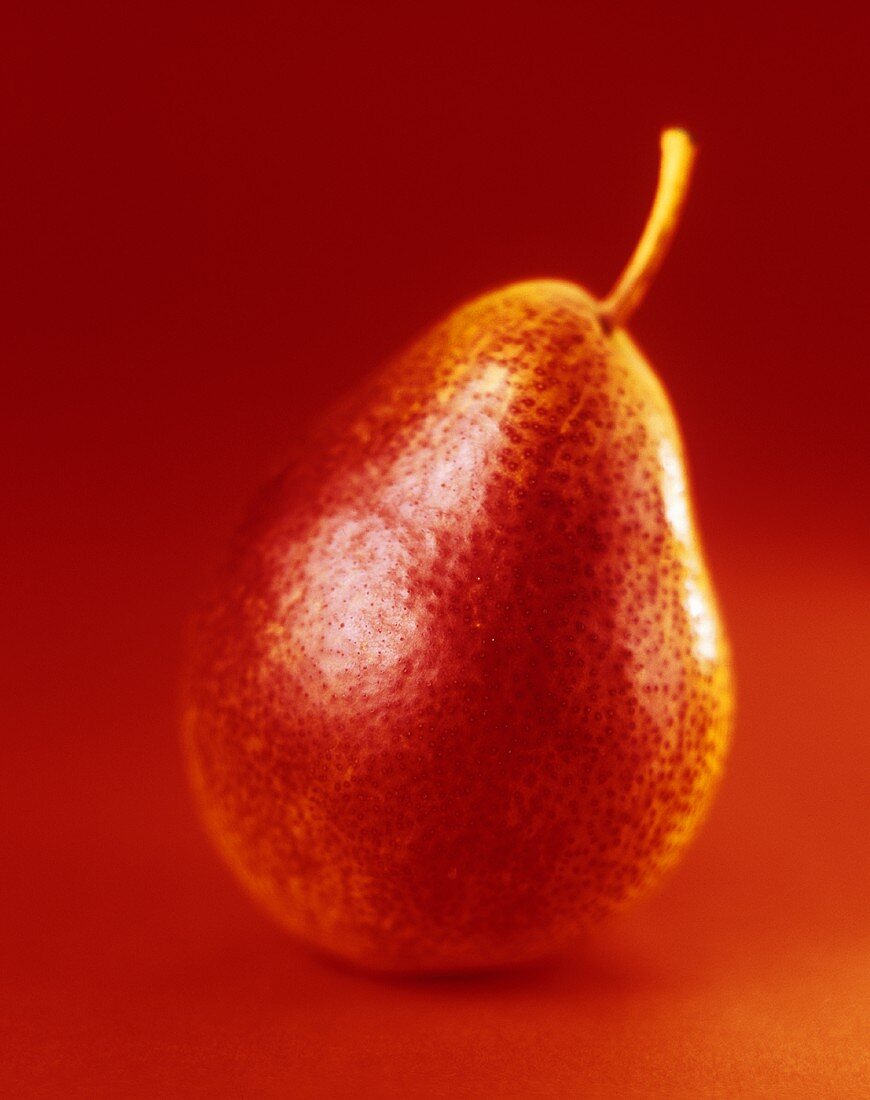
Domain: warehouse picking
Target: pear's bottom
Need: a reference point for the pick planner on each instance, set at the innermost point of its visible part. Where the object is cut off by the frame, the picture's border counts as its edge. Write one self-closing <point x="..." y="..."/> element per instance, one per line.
<point x="439" y="874"/>
<point x="477" y="957"/>
<point x="425" y="969"/>
<point x="470" y="943"/>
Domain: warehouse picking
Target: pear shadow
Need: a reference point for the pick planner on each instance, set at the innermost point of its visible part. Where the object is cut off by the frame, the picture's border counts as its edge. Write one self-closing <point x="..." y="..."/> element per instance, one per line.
<point x="276" y="968"/>
<point x="584" y="970"/>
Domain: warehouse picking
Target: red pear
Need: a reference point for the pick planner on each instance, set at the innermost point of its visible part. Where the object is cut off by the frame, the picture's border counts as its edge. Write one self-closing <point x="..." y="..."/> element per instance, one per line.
<point x="466" y="689"/>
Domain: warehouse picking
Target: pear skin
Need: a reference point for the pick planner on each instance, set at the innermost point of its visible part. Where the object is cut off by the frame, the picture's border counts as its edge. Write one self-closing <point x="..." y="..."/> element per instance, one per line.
<point x="466" y="690"/>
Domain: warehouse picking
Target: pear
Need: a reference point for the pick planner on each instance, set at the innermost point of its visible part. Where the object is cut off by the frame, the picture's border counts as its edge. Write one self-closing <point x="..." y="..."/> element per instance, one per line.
<point x="466" y="689"/>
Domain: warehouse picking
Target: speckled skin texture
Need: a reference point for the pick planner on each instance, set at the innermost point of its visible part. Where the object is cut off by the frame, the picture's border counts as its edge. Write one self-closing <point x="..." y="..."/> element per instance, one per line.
<point x="466" y="690"/>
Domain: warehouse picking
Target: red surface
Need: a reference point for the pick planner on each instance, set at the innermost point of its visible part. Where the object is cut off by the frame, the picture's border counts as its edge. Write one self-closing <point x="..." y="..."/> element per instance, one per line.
<point x="211" y="224"/>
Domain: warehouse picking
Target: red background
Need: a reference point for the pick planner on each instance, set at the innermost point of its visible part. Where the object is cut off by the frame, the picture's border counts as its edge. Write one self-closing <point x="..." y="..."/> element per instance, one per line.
<point x="214" y="220"/>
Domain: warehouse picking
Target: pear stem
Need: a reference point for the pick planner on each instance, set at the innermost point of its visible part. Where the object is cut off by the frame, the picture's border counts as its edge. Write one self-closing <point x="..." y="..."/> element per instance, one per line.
<point x="675" y="170"/>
